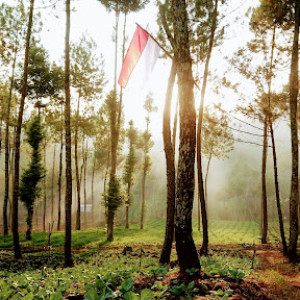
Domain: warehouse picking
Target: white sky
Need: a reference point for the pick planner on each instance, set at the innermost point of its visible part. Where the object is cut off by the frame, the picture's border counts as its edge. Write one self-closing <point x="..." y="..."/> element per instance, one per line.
<point x="92" y="18"/>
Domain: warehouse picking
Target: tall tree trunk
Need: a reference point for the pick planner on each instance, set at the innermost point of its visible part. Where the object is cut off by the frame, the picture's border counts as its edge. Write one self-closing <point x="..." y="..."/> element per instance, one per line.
<point x="294" y="90"/>
<point x="6" y="192"/>
<point x="278" y="204"/>
<point x="15" y="219"/>
<point x="92" y="190"/>
<point x="84" y="182"/>
<point x="204" y="248"/>
<point x="264" y="203"/>
<point x="206" y="175"/>
<point x="114" y="137"/>
<point x="45" y="189"/>
<point x="185" y="246"/>
<point x="59" y="180"/>
<point x="52" y="185"/>
<point x="143" y="200"/>
<point x="127" y="207"/>
<point x="68" y="197"/>
<point x="78" y="214"/>
<point x="29" y="223"/>
<point x="170" y="165"/>
<point x="175" y="128"/>
<point x="280" y="218"/>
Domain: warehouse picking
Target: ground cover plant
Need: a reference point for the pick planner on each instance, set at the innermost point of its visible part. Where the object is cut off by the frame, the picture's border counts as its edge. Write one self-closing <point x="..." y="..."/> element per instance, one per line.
<point x="121" y="270"/>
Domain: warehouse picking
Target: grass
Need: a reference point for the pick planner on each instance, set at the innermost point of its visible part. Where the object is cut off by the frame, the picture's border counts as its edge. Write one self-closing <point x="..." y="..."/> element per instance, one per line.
<point x="153" y="233"/>
<point x="220" y="232"/>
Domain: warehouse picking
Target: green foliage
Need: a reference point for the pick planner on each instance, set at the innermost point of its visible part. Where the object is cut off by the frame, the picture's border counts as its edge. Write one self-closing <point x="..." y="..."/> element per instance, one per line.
<point x="44" y="79"/>
<point x="130" y="161"/>
<point x="124" y="6"/>
<point x="29" y="189"/>
<point x="13" y="21"/>
<point x="113" y="198"/>
<point x="87" y="69"/>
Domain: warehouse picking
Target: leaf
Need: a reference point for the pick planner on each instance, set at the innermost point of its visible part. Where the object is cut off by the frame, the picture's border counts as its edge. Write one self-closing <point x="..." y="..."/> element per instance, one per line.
<point x="92" y="295"/>
<point x="63" y="287"/>
<point x="127" y="285"/>
<point x="130" y="296"/>
<point x="146" y="294"/>
<point x="56" y="296"/>
<point x="177" y="290"/>
<point x="191" y="285"/>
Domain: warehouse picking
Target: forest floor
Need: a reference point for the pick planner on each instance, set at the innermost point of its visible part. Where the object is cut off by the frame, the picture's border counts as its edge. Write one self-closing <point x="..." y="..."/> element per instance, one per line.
<point x="131" y="271"/>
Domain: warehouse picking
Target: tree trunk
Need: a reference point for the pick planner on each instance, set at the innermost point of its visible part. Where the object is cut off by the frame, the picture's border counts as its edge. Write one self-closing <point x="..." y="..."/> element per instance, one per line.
<point x="110" y="225"/>
<point x="84" y="183"/>
<point x="143" y="200"/>
<point x="15" y="219"/>
<point x="59" y="180"/>
<point x="206" y="175"/>
<point x="114" y="136"/>
<point x="170" y="166"/>
<point x="52" y="185"/>
<point x="294" y="90"/>
<point x="280" y="218"/>
<point x="204" y="248"/>
<point x="92" y="188"/>
<point x="185" y="246"/>
<point x="6" y="192"/>
<point x="78" y="214"/>
<point x="127" y="207"/>
<point x="68" y="197"/>
<point x="45" y="189"/>
<point x="264" y="203"/>
<point x="29" y="223"/>
<point x="279" y="211"/>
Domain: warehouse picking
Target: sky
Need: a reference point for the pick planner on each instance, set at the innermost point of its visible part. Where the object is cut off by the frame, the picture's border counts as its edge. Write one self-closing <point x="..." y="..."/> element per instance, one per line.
<point x="90" y="17"/>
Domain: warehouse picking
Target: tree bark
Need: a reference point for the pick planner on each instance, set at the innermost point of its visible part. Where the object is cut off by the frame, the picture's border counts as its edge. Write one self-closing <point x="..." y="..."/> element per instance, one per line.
<point x="92" y="188"/>
<point x="114" y="135"/>
<point x="204" y="248"/>
<point x="68" y="197"/>
<point x="127" y="207"/>
<point x="143" y="199"/>
<point x="294" y="90"/>
<point x="52" y="185"/>
<point x="15" y="219"/>
<point x="278" y="204"/>
<point x="84" y="183"/>
<point x="6" y="192"/>
<point x="59" y="180"/>
<point x="78" y="213"/>
<point x="264" y="203"/>
<point x="170" y="166"/>
<point x="29" y="223"/>
<point x="280" y="218"/>
<point x="206" y="175"/>
<point x="45" y="189"/>
<point x="185" y="246"/>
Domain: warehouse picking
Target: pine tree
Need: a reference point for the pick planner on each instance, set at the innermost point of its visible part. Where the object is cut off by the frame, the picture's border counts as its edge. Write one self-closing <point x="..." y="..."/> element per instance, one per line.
<point x="29" y="186"/>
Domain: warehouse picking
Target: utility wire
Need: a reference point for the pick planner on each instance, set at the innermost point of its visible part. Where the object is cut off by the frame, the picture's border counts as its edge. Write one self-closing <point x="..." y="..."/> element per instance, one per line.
<point x="248" y="142"/>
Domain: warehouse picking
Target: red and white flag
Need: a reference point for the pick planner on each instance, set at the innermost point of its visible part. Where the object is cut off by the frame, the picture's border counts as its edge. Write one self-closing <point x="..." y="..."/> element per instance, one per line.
<point x="140" y="58"/>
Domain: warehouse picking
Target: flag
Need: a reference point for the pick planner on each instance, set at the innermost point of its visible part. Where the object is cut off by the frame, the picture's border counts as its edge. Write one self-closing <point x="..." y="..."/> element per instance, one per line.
<point x="143" y="52"/>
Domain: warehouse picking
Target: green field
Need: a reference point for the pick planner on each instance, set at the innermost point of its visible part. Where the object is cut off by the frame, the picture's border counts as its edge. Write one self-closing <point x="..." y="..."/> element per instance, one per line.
<point x="220" y="232"/>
